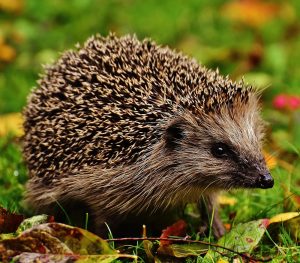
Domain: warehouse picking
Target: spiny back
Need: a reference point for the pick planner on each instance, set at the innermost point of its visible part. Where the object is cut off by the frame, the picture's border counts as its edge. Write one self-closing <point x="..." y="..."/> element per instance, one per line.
<point x="106" y="103"/>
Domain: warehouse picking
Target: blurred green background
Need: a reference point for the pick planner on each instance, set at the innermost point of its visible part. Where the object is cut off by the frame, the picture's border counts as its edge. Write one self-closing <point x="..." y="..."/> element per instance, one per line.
<point x="257" y="39"/>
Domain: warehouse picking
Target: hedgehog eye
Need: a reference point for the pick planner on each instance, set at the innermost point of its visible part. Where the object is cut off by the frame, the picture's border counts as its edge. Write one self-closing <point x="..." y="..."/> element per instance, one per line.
<point x="174" y="133"/>
<point x="221" y="150"/>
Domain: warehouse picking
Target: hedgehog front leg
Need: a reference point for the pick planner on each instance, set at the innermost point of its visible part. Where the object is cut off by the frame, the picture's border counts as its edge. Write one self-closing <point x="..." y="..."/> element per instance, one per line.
<point x="208" y="207"/>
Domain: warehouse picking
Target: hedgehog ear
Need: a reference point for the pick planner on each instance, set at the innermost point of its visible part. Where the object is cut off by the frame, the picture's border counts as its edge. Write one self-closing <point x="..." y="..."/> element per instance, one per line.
<point x="173" y="134"/>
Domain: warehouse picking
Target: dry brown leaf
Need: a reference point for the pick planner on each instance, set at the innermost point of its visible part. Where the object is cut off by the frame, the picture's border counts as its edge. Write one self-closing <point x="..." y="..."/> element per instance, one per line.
<point x="54" y="238"/>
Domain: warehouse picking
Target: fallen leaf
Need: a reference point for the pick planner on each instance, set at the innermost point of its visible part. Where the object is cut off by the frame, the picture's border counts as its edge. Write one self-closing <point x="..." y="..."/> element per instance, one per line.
<point x="34" y="221"/>
<point x="36" y="257"/>
<point x="148" y="245"/>
<point x="283" y="217"/>
<point x="54" y="238"/>
<point x="225" y="200"/>
<point x="14" y="6"/>
<point x="212" y="256"/>
<point x="177" y="229"/>
<point x="182" y="250"/>
<point x="245" y="237"/>
<point x="9" y="222"/>
<point x="291" y="222"/>
<point x="242" y="238"/>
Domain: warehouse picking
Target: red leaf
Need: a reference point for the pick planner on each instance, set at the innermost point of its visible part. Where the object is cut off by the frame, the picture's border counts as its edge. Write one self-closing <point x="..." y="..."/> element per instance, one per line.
<point x="9" y="222"/>
<point x="264" y="223"/>
<point x="296" y="199"/>
<point x="51" y="219"/>
<point x="177" y="229"/>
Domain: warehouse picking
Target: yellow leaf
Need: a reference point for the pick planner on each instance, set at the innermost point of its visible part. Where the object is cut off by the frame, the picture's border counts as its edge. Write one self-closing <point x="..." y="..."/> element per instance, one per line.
<point x="14" y="6"/>
<point x="251" y="12"/>
<point x="7" y="53"/>
<point x="227" y="226"/>
<point x="225" y="200"/>
<point x="11" y="123"/>
<point x="283" y="217"/>
<point x="271" y="160"/>
<point x="222" y="260"/>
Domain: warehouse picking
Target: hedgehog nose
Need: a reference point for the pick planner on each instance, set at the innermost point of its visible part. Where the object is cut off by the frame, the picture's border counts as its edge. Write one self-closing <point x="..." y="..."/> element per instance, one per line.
<point x="265" y="181"/>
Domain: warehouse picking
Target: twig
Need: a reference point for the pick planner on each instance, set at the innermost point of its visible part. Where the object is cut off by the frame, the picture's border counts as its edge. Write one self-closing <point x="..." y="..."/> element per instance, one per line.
<point x="190" y="241"/>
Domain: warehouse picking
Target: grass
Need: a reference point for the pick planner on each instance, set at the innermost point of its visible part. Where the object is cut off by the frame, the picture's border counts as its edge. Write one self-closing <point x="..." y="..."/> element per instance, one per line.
<point x="266" y="54"/>
<point x="12" y="174"/>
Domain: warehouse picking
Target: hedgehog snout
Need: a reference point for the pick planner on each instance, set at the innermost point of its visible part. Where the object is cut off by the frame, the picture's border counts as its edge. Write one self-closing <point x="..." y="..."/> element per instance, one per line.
<point x="263" y="177"/>
<point x="264" y="180"/>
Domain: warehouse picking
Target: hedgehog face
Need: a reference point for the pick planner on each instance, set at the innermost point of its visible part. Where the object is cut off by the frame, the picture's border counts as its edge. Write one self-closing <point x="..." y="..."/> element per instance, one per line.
<point x="239" y="144"/>
<point x="220" y="150"/>
<point x="247" y="170"/>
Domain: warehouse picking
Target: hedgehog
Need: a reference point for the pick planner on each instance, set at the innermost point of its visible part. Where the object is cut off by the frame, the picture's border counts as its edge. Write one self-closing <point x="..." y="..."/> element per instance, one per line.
<point x="129" y="131"/>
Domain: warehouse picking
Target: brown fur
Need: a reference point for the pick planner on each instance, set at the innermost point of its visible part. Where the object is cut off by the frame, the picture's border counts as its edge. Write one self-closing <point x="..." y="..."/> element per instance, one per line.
<point x="127" y="128"/>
